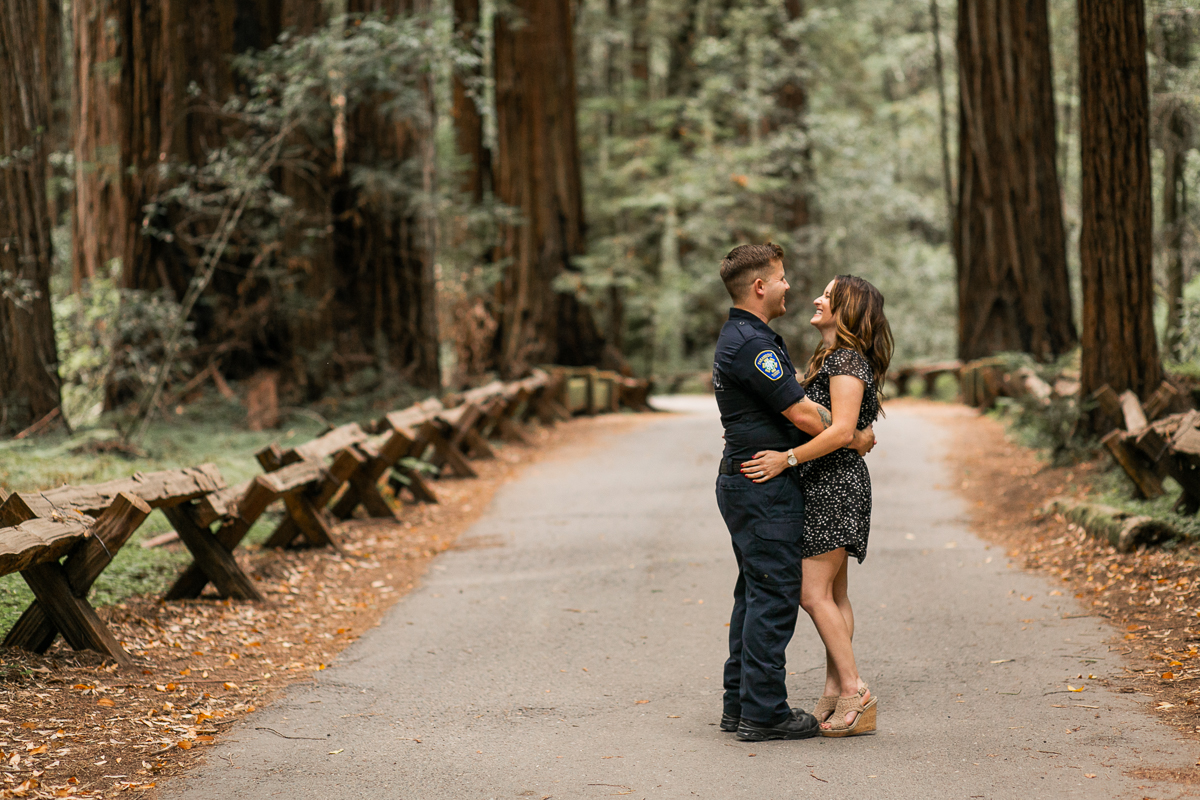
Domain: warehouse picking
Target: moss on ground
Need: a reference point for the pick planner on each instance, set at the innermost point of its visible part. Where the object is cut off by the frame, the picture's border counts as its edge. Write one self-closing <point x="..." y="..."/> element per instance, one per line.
<point x="1108" y="485"/>
<point x="1114" y="488"/>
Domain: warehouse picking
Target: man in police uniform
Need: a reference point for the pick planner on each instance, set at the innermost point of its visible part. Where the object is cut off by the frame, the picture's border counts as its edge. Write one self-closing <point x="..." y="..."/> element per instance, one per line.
<point x="763" y="407"/>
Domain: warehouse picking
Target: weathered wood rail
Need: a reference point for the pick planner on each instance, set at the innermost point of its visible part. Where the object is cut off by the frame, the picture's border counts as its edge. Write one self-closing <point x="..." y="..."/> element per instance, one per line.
<point x="902" y="376"/>
<point x="1152" y="446"/>
<point x="61" y="540"/>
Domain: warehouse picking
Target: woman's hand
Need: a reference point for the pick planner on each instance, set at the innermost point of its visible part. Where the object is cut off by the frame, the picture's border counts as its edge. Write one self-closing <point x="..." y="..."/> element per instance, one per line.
<point x="764" y="466"/>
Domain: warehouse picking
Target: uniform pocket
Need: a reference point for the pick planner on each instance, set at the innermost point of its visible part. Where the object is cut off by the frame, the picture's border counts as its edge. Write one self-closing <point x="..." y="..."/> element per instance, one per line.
<point x="789" y="530"/>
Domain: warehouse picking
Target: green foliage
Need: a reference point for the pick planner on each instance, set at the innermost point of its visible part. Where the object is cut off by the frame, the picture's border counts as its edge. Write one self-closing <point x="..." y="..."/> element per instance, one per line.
<point x="1051" y="424"/>
<point x="1113" y="488"/>
<point x="691" y="146"/>
<point x="262" y="208"/>
<point x="203" y="433"/>
<point x="107" y="336"/>
<point x="1188" y="352"/>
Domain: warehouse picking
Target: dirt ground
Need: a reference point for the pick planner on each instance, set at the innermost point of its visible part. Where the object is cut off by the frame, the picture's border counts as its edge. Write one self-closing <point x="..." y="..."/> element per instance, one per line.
<point x="1150" y="597"/>
<point x="71" y="726"/>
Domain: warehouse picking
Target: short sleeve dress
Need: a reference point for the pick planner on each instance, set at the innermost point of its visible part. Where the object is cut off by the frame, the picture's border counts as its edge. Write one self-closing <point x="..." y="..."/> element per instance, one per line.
<point x="837" y="486"/>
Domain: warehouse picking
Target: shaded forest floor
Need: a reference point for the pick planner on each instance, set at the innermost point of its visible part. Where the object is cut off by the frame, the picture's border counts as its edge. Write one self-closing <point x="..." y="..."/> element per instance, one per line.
<point x="71" y="727"/>
<point x="1151" y="597"/>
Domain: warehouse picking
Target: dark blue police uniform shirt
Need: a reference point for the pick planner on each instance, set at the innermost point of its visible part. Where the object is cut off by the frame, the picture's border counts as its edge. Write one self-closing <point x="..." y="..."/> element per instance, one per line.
<point x="755" y="382"/>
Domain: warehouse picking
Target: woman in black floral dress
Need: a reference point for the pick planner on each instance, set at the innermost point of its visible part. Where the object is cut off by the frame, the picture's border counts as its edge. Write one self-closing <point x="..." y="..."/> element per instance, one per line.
<point x="843" y="375"/>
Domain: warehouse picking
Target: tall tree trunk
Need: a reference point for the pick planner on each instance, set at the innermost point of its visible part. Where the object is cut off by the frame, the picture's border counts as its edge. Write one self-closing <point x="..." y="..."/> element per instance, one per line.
<point x="1013" y="288"/>
<point x="791" y="101"/>
<point x="102" y="213"/>
<point x="312" y="337"/>
<point x="387" y="289"/>
<point x="939" y="69"/>
<point x="537" y="172"/>
<point x="1174" y="211"/>
<point x="30" y="63"/>
<point x="1119" y="344"/>
<point x="468" y="122"/>
<point x="1172" y="34"/>
<point x="134" y="63"/>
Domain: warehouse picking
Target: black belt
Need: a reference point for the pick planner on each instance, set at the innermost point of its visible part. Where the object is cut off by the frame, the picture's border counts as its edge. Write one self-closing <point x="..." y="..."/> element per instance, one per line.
<point x="729" y="467"/>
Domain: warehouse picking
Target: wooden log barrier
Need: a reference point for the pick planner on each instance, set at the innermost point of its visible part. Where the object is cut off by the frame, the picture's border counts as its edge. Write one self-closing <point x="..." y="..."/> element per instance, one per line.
<point x="36" y="629"/>
<point x="1120" y="529"/>
<point x="235" y="514"/>
<point x="429" y="436"/>
<point x="1148" y="484"/>
<point x="34" y="547"/>
<point x="305" y="502"/>
<point x="158" y="489"/>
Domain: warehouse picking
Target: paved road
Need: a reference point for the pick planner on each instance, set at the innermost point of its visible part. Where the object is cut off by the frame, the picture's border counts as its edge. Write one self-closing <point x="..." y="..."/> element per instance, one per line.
<point x="582" y="659"/>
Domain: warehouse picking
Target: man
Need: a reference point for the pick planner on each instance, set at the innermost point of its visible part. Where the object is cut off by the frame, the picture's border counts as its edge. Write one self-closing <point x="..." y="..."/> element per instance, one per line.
<point x="763" y="407"/>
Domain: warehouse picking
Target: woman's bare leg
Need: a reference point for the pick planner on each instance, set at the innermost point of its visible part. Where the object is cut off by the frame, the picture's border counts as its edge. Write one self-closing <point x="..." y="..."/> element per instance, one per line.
<point x="817" y="598"/>
<point x="840" y="582"/>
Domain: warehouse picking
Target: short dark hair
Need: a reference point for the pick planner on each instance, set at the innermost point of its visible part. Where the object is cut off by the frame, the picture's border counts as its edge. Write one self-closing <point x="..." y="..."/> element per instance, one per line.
<point x="745" y="264"/>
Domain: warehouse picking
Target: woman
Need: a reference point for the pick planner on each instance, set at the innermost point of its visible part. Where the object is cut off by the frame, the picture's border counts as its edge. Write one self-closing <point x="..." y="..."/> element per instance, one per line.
<point x="844" y="375"/>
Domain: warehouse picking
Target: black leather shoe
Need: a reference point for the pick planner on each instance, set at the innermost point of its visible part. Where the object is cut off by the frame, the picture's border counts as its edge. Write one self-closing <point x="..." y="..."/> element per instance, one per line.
<point x="729" y="723"/>
<point x="800" y="725"/>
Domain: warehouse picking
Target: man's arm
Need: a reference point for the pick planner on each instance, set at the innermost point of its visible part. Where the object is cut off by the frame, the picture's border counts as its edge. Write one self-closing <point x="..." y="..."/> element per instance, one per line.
<point x="813" y="418"/>
<point x="808" y="416"/>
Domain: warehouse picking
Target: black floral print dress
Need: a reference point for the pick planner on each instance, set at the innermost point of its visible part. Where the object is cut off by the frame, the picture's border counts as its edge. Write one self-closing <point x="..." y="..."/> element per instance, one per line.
<point x="837" y="486"/>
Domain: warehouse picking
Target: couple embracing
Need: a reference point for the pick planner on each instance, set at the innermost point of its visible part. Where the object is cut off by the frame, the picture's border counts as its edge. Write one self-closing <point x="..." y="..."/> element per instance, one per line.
<point x="794" y="490"/>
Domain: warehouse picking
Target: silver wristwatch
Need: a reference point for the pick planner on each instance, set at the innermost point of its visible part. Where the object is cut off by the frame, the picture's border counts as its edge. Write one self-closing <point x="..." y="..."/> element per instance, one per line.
<point x="792" y="459"/>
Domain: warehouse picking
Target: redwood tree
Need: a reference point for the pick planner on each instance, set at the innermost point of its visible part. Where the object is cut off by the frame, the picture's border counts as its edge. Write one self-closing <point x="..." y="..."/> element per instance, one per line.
<point x="1119" y="344"/>
<point x="30" y="63"/>
<point x="1172" y="35"/>
<point x="1013" y="288"/>
<point x="468" y="123"/>
<point x="387" y="286"/>
<point x="537" y="172"/>
<point x="134" y="62"/>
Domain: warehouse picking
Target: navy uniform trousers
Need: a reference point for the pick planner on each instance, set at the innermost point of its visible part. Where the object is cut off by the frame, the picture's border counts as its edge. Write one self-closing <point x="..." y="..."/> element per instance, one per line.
<point x="766" y="524"/>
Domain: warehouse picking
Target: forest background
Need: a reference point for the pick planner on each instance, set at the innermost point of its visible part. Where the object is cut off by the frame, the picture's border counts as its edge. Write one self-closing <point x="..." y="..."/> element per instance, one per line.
<point x="358" y="198"/>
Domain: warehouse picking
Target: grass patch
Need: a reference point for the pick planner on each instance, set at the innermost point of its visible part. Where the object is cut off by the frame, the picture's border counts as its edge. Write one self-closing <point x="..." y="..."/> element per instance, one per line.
<point x="1044" y="430"/>
<point x="207" y="431"/>
<point x="1112" y="487"/>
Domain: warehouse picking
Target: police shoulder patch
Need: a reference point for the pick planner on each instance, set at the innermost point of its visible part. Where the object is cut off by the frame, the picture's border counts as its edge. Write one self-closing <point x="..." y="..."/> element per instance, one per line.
<point x="768" y="364"/>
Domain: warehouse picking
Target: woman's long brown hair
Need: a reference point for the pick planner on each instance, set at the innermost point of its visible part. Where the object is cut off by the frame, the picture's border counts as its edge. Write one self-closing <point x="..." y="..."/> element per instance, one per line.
<point x="857" y="308"/>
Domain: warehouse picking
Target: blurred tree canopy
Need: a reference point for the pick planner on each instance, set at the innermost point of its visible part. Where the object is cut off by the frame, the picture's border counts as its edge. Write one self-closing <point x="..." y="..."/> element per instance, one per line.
<point x="708" y="125"/>
<point x="379" y="242"/>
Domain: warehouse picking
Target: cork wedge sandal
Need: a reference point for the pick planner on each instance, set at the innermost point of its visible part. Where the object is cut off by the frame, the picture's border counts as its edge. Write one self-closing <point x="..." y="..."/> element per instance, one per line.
<point x="864" y="720"/>
<point x="825" y="707"/>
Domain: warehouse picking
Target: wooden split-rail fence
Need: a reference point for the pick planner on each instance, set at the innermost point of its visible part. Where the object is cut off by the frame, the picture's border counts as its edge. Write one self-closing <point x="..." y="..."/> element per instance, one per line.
<point x="61" y="540"/>
<point x="1153" y="445"/>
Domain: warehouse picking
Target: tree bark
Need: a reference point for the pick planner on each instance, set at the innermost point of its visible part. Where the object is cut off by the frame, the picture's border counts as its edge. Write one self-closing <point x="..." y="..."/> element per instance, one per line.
<point x="134" y="62"/>
<point x="1119" y="344"/>
<point x="468" y="123"/>
<point x="1171" y="36"/>
<point x="30" y="65"/>
<point x="1174" y="210"/>
<point x="1010" y="247"/>
<point x="939" y="69"/>
<point x="791" y="112"/>
<point x="537" y="172"/>
<point x="388" y="289"/>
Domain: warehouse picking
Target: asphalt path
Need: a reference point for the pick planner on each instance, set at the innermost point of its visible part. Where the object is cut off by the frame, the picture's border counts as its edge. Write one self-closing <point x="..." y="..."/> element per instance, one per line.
<point x="582" y="657"/>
